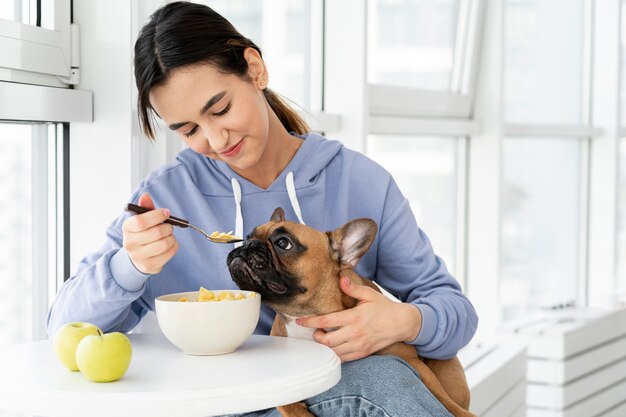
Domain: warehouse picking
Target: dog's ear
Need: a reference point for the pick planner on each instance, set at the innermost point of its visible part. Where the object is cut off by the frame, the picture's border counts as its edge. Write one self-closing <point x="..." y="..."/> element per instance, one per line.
<point x="352" y="240"/>
<point x="278" y="215"/>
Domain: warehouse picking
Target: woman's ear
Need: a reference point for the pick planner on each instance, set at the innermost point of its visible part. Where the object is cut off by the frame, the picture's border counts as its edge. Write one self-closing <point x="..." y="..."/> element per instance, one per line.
<point x="256" y="68"/>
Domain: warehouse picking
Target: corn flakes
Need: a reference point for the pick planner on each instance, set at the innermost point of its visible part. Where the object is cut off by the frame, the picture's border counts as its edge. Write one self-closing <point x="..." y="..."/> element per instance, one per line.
<point x="222" y="235"/>
<point x="208" y="295"/>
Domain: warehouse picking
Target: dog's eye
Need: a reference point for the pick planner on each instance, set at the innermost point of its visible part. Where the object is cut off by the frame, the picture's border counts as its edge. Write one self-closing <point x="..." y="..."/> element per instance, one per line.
<point x="283" y="243"/>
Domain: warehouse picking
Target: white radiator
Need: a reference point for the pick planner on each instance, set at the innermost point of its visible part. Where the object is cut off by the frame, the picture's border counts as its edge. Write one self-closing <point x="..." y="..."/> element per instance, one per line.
<point x="576" y="362"/>
<point x="496" y="375"/>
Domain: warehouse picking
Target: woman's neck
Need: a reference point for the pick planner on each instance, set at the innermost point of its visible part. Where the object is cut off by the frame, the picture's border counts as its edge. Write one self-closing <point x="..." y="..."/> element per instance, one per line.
<point x="280" y="150"/>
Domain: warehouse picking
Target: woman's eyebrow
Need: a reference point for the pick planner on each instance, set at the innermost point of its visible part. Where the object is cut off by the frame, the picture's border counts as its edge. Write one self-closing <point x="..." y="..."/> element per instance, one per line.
<point x="212" y="102"/>
<point x="205" y="108"/>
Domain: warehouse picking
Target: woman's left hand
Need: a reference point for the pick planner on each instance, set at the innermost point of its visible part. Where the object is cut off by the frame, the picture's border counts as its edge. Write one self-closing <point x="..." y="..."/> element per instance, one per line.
<point x="375" y="323"/>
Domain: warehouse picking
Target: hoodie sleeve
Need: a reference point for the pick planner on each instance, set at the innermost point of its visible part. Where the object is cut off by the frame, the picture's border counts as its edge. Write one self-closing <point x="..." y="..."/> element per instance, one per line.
<point x="104" y="291"/>
<point x="408" y="267"/>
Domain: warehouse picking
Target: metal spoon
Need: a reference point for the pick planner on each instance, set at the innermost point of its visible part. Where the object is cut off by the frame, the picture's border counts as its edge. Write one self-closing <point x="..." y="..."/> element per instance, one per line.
<point x="176" y="221"/>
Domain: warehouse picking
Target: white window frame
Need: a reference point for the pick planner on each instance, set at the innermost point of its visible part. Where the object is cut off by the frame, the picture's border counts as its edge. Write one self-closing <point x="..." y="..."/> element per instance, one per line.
<point x="49" y="225"/>
<point x="49" y="179"/>
<point x="24" y="102"/>
<point x="598" y="134"/>
<point x="35" y="55"/>
<point x="604" y="172"/>
<point x="400" y="101"/>
<point x="34" y="62"/>
<point x="367" y="108"/>
<point x="458" y="102"/>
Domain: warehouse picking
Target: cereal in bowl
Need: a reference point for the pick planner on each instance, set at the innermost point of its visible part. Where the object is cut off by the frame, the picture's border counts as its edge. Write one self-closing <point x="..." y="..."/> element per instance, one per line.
<point x="208" y="295"/>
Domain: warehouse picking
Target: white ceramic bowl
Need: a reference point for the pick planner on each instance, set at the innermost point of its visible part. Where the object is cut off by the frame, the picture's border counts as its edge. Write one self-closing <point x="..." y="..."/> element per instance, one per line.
<point x="207" y="327"/>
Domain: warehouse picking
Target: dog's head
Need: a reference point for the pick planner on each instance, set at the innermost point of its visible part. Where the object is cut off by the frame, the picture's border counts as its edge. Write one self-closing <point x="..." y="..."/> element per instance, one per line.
<point x="296" y="268"/>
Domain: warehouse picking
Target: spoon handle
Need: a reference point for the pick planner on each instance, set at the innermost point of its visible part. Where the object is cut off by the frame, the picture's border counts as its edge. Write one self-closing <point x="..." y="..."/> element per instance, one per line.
<point x="176" y="221"/>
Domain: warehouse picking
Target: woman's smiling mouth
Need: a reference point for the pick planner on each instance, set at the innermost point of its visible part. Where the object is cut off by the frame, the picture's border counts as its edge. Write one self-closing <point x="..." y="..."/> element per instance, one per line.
<point x="233" y="150"/>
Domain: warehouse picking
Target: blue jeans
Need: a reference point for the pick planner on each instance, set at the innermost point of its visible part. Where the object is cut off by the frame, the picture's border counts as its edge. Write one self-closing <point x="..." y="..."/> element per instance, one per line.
<point x="376" y="386"/>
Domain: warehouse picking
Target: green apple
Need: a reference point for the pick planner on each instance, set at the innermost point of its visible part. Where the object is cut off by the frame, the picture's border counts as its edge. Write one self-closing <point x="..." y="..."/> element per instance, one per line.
<point x="104" y="357"/>
<point x="66" y="340"/>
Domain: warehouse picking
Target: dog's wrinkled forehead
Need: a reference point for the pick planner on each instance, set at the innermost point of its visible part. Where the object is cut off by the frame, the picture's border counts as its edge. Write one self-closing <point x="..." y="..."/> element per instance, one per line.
<point x="300" y="234"/>
<point x="272" y="228"/>
<point x="263" y="231"/>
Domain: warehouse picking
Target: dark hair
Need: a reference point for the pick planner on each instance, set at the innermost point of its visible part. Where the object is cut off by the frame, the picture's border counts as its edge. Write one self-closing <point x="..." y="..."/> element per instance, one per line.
<point x="182" y="33"/>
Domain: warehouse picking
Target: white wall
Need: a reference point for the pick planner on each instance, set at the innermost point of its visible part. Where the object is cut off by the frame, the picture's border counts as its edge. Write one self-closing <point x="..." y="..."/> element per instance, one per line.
<point x="100" y="152"/>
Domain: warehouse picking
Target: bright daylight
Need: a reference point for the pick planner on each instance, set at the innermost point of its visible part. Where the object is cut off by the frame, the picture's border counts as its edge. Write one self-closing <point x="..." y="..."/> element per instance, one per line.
<point x="313" y="208"/>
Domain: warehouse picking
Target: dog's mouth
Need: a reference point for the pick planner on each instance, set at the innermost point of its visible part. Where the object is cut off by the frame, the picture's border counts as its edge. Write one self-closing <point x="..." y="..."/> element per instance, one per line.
<point x="244" y="265"/>
<point x="275" y="287"/>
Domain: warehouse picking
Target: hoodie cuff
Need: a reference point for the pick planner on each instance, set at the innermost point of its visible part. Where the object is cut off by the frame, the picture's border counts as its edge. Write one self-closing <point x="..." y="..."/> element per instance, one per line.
<point x="429" y="325"/>
<point x="125" y="273"/>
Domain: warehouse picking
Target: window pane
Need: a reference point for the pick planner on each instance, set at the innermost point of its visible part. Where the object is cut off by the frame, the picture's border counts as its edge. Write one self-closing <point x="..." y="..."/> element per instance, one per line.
<point x="7" y="10"/>
<point x="543" y="52"/>
<point x="425" y="169"/>
<point x="412" y="43"/>
<point x="623" y="63"/>
<point x="28" y="210"/>
<point x="540" y="223"/>
<point x="287" y="35"/>
<point x="621" y="222"/>
<point x="15" y="234"/>
<point x="25" y="11"/>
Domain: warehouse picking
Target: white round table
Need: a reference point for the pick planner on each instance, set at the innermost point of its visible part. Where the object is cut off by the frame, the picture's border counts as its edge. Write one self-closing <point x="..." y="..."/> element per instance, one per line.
<point x="163" y="381"/>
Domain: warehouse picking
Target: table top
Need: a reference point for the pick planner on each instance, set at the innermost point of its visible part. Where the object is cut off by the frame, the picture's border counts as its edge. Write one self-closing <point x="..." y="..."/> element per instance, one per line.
<point x="163" y="381"/>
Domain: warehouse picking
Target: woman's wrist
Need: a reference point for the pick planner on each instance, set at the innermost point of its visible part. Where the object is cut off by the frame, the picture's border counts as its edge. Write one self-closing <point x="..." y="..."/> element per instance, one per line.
<point x="409" y="319"/>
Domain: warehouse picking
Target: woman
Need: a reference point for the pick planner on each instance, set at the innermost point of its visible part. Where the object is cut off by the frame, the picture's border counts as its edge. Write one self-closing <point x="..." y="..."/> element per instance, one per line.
<point x="248" y="154"/>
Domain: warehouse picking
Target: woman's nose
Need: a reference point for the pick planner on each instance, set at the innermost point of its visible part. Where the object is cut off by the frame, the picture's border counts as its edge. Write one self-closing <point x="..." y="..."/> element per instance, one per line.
<point x="217" y="137"/>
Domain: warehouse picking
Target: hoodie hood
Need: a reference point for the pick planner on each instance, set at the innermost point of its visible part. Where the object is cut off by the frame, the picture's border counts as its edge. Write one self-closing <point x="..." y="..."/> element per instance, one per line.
<point x="214" y="178"/>
<point x="310" y="159"/>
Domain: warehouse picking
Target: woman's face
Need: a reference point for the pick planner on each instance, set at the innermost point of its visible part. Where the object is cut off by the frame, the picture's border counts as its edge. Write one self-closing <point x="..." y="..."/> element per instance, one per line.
<point x="218" y="115"/>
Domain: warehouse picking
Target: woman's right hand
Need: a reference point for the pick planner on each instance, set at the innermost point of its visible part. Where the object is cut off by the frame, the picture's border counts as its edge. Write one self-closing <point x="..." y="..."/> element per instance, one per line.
<point x="150" y="243"/>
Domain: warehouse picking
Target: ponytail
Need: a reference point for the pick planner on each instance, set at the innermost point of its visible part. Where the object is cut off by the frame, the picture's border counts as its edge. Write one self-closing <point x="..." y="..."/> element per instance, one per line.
<point x="288" y="117"/>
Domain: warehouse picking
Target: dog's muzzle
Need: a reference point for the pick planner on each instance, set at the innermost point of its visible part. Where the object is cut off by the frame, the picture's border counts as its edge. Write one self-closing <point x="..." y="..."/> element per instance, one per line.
<point x="253" y="269"/>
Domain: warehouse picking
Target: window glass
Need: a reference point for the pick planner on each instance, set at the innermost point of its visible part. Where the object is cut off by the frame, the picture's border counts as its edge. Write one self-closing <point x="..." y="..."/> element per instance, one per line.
<point x="621" y="222"/>
<point x="16" y="238"/>
<point x="412" y="43"/>
<point x="286" y="34"/>
<point x="25" y="11"/>
<point x="7" y="10"/>
<point x="623" y="63"/>
<point x="540" y="233"/>
<point x="426" y="170"/>
<point x="543" y="60"/>
<point x="28" y="239"/>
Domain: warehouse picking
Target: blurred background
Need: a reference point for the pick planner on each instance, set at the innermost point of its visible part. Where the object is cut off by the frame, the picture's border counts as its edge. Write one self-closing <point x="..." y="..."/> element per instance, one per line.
<point x="501" y="120"/>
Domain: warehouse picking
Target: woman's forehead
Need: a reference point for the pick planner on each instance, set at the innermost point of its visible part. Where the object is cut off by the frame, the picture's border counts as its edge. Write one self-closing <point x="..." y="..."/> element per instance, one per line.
<point x="201" y="78"/>
<point x="192" y="87"/>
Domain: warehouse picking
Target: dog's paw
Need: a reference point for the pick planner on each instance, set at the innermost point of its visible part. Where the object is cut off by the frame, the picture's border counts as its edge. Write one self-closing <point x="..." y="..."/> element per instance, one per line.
<point x="295" y="410"/>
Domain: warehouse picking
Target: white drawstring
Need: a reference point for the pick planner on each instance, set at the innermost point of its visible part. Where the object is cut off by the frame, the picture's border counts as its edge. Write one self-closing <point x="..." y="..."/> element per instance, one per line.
<point x="293" y="198"/>
<point x="238" y="215"/>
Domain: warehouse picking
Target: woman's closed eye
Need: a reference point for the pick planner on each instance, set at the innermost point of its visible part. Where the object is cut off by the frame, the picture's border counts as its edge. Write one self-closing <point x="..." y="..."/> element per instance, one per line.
<point x="219" y="113"/>
<point x="191" y="132"/>
<point x="223" y="112"/>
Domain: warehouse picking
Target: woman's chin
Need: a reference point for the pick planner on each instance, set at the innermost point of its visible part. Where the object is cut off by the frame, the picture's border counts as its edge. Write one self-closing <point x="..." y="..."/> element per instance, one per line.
<point x="240" y="163"/>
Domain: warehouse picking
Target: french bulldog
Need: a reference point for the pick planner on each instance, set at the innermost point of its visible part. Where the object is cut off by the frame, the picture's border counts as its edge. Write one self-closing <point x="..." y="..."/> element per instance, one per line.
<point x="296" y="269"/>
